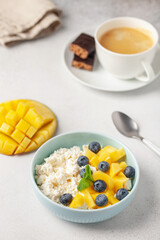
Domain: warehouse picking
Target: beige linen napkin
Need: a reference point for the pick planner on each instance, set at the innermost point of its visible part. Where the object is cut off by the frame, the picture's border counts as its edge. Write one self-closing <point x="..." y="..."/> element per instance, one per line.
<point x="22" y="20"/>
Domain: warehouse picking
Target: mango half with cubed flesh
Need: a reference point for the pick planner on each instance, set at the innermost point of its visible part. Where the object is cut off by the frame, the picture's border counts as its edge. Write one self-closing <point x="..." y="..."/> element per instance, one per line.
<point x="24" y="126"/>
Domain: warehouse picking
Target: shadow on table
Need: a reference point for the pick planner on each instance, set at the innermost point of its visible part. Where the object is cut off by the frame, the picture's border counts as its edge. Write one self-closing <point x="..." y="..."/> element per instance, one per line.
<point x="136" y="214"/>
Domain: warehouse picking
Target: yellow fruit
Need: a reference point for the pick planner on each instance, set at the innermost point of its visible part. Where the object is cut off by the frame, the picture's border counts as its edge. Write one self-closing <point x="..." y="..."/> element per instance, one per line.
<point x="12" y="118"/>
<point x="31" y="147"/>
<point x="119" y="181"/>
<point x="123" y="165"/>
<point x="105" y="157"/>
<point x="89" y="153"/>
<point x="24" y="126"/>
<point x="21" y="109"/>
<point x="88" y="199"/>
<point x="94" y="161"/>
<point x="115" y="168"/>
<point x="77" y="201"/>
<point x="117" y="155"/>
<point x="7" y="145"/>
<point x="17" y="135"/>
<point x="98" y="175"/>
<point x="107" y="150"/>
<point x="31" y="131"/>
<point x="6" y="128"/>
<point x="111" y="198"/>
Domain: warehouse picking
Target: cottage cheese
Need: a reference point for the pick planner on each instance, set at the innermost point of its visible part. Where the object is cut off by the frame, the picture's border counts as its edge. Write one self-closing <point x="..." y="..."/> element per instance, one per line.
<point x="59" y="173"/>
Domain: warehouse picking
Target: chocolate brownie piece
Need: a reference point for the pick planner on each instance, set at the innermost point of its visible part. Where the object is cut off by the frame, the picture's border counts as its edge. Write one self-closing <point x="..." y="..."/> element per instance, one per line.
<point x="83" y="46"/>
<point x="84" y="63"/>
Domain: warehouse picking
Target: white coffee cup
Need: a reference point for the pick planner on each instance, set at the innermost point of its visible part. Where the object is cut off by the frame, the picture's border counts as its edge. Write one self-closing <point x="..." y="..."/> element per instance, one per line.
<point x="127" y="66"/>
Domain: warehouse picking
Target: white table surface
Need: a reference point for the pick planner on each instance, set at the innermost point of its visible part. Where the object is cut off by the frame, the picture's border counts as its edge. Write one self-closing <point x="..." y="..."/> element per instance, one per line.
<point x="35" y="70"/>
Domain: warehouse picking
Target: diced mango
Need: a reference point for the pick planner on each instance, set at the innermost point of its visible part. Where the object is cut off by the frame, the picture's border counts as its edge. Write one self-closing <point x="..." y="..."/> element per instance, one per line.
<point x="89" y="153"/>
<point x="119" y="181"/>
<point x="23" y="126"/>
<point x="123" y="165"/>
<point x="31" y="147"/>
<point x="31" y="131"/>
<point x="115" y="168"/>
<point x="21" y="109"/>
<point x="117" y="155"/>
<point x="19" y="150"/>
<point x="7" y="145"/>
<point x="25" y="142"/>
<point x="107" y="150"/>
<point x="33" y="118"/>
<point x="38" y="139"/>
<point x="27" y="123"/>
<point x="91" y="190"/>
<point x="98" y="175"/>
<point x="111" y="198"/>
<point x="6" y="128"/>
<point x="12" y="118"/>
<point x="94" y="161"/>
<point x="77" y="201"/>
<point x="88" y="199"/>
<point x="17" y="135"/>
<point x="94" y="195"/>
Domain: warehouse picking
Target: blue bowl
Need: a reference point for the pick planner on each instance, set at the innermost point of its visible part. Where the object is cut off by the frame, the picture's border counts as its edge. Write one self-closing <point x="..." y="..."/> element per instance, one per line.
<point x="71" y="139"/>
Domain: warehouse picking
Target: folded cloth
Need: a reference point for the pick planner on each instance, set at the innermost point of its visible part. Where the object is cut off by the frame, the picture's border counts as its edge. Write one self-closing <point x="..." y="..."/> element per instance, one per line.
<point x="22" y="20"/>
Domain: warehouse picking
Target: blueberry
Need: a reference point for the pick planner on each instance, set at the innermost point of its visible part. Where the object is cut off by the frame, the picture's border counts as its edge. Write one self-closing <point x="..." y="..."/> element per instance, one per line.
<point x="82" y="172"/>
<point x="101" y="200"/>
<point x="82" y="161"/>
<point x="94" y="147"/>
<point x="121" y="193"/>
<point x="129" y="172"/>
<point x="103" y="166"/>
<point x="99" y="186"/>
<point x="66" y="199"/>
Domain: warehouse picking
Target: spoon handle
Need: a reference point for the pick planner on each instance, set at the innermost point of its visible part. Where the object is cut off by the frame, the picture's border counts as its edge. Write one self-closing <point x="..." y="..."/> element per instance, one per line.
<point x="152" y="146"/>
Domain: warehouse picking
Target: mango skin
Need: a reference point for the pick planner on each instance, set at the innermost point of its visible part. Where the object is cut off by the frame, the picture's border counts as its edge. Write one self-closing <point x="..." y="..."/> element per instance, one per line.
<point x="24" y="126"/>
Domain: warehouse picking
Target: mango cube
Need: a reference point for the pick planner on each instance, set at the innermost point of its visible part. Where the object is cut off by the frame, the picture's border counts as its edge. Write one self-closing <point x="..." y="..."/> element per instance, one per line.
<point x="31" y="131"/>
<point x="115" y="168"/>
<point x="88" y="199"/>
<point x="12" y="118"/>
<point x="31" y="147"/>
<point x="89" y="153"/>
<point x="119" y="181"/>
<point x="7" y="145"/>
<point x="25" y="142"/>
<point x="17" y="136"/>
<point x="23" y="126"/>
<point x="117" y="155"/>
<point x="21" y="109"/>
<point x="111" y="198"/>
<point x="98" y="175"/>
<point x="123" y="165"/>
<point x="77" y="201"/>
<point x="94" y="161"/>
<point x="6" y="128"/>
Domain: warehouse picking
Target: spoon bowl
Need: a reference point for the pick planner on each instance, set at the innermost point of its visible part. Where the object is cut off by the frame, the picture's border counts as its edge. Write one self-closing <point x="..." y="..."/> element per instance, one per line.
<point x="129" y="128"/>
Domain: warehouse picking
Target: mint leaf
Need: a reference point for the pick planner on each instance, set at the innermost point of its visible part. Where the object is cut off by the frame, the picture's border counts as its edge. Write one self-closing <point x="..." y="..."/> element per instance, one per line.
<point x="83" y="184"/>
<point x="89" y="173"/>
<point x="87" y="179"/>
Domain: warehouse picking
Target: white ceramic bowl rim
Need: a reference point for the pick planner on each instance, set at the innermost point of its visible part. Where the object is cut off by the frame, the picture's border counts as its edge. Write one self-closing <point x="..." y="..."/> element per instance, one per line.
<point x="126" y="55"/>
<point x="82" y="210"/>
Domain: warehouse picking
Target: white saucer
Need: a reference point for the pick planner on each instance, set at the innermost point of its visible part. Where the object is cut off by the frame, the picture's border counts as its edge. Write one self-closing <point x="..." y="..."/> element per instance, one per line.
<point x="99" y="78"/>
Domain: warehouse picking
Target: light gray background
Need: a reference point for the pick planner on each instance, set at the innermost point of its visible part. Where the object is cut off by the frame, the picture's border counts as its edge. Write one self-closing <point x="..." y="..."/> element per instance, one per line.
<point x="35" y="70"/>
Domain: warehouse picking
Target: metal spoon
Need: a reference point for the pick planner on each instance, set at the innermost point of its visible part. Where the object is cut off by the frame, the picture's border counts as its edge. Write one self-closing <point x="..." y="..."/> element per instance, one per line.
<point x="129" y="128"/>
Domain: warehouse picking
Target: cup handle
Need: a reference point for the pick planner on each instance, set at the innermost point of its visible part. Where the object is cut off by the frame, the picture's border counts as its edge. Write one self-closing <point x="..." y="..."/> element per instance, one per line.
<point x="148" y="69"/>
